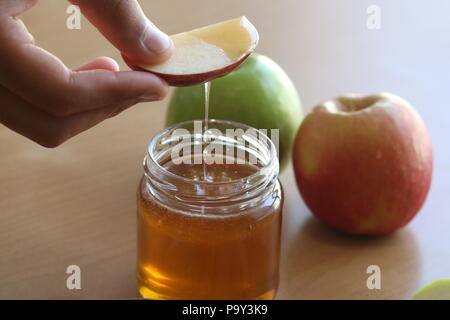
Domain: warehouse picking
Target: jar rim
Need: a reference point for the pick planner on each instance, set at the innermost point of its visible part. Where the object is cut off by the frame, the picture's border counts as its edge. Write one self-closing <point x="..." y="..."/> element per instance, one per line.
<point x="152" y="156"/>
<point x="204" y="195"/>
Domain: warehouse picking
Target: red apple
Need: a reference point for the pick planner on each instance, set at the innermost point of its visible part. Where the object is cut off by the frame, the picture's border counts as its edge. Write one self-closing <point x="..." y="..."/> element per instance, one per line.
<point x="363" y="164"/>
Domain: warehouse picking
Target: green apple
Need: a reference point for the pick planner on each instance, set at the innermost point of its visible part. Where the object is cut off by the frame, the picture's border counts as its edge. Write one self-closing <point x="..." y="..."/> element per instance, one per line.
<point x="436" y="290"/>
<point x="258" y="93"/>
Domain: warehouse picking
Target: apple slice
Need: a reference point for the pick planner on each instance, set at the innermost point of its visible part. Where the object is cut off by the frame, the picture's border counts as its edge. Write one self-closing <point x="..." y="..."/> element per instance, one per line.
<point x="207" y="53"/>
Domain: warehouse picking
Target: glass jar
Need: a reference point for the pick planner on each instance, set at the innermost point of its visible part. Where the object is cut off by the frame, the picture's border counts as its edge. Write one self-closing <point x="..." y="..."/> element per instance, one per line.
<point x="209" y="214"/>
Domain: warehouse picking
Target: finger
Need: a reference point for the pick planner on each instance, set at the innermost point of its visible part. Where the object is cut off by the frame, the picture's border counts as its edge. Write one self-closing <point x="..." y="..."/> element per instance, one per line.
<point x="107" y="88"/>
<point x="124" y="24"/>
<point x="103" y="63"/>
<point x="44" y="81"/>
<point x="14" y="8"/>
<point x="49" y="131"/>
<point x="130" y="63"/>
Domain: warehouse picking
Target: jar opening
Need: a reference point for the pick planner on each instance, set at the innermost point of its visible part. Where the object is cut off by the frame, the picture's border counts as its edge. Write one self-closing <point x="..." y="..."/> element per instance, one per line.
<point x="223" y="142"/>
<point x="227" y="162"/>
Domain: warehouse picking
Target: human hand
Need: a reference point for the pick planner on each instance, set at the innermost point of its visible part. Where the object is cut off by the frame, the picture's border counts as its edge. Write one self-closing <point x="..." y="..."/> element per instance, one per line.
<point x="49" y="103"/>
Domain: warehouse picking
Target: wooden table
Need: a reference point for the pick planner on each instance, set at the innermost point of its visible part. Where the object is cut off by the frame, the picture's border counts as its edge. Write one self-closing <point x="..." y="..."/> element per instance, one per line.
<point x="76" y="204"/>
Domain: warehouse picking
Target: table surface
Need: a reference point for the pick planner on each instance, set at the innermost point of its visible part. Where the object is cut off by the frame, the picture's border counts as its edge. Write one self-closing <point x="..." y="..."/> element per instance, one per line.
<point x="76" y="204"/>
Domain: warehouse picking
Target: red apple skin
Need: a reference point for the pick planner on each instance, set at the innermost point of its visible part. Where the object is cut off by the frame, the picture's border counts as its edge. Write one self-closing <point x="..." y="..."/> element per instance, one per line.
<point x="366" y="172"/>
<point x="184" y="80"/>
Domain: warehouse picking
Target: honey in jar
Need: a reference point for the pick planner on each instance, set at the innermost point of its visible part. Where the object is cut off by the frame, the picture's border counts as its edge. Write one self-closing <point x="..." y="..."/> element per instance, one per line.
<point x="209" y="231"/>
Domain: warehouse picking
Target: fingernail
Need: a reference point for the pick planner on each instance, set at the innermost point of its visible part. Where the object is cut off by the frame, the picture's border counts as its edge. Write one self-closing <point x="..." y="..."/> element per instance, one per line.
<point x="157" y="41"/>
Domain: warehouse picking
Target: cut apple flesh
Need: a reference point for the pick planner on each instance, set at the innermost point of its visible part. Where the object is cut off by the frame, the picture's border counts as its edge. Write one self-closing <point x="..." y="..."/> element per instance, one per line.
<point x="206" y="53"/>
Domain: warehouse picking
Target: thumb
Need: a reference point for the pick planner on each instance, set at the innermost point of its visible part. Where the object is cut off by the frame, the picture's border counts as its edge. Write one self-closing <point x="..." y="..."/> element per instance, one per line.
<point x="124" y="24"/>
